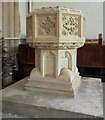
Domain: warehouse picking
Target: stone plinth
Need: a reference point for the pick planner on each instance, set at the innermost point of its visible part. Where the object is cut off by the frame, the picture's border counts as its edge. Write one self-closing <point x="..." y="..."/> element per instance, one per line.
<point x="86" y="104"/>
<point x="56" y="33"/>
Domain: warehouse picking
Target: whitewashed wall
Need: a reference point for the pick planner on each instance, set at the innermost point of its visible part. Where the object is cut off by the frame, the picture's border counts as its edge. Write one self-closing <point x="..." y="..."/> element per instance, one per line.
<point x="93" y="12"/>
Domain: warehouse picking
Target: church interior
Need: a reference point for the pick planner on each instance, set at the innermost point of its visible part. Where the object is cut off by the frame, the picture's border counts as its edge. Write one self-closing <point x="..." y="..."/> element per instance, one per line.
<point x="49" y="51"/>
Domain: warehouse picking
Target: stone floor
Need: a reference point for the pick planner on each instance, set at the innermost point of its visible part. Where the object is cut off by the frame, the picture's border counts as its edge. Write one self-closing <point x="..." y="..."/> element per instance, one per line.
<point x="87" y="103"/>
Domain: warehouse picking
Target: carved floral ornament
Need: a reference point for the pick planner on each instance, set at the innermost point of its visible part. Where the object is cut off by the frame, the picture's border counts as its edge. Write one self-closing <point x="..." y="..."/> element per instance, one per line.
<point x="70" y="25"/>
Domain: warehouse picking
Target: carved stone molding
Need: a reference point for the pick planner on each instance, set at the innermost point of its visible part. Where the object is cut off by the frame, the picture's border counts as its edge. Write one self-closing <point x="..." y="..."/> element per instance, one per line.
<point x="56" y="45"/>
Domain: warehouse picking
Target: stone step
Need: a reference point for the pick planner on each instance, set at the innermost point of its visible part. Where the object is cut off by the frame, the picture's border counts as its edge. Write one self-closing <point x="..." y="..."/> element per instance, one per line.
<point x="50" y="85"/>
<point x="50" y="79"/>
<point x="51" y="91"/>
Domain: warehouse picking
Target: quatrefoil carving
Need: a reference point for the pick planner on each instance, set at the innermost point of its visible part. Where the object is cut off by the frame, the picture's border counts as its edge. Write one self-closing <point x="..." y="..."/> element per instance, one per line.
<point x="47" y="25"/>
<point x="70" y="25"/>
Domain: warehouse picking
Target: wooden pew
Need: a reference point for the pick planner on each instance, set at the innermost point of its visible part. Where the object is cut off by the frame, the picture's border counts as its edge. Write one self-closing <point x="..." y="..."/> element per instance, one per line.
<point x="91" y="55"/>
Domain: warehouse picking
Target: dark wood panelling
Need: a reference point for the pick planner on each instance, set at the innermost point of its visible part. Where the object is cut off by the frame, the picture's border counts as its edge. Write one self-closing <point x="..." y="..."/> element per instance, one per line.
<point x="91" y="55"/>
<point x="26" y="57"/>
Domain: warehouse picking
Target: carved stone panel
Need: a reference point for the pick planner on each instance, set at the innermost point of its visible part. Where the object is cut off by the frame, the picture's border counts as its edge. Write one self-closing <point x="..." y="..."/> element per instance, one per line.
<point x="46" y="25"/>
<point x="29" y="26"/>
<point x="71" y="25"/>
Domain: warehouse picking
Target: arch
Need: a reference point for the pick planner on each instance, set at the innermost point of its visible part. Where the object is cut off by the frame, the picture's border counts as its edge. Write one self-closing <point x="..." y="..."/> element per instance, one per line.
<point x="68" y="55"/>
<point x="49" y="64"/>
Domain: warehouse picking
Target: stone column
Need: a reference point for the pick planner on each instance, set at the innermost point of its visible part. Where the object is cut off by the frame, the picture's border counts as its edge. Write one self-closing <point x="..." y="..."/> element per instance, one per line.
<point x="11" y="24"/>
